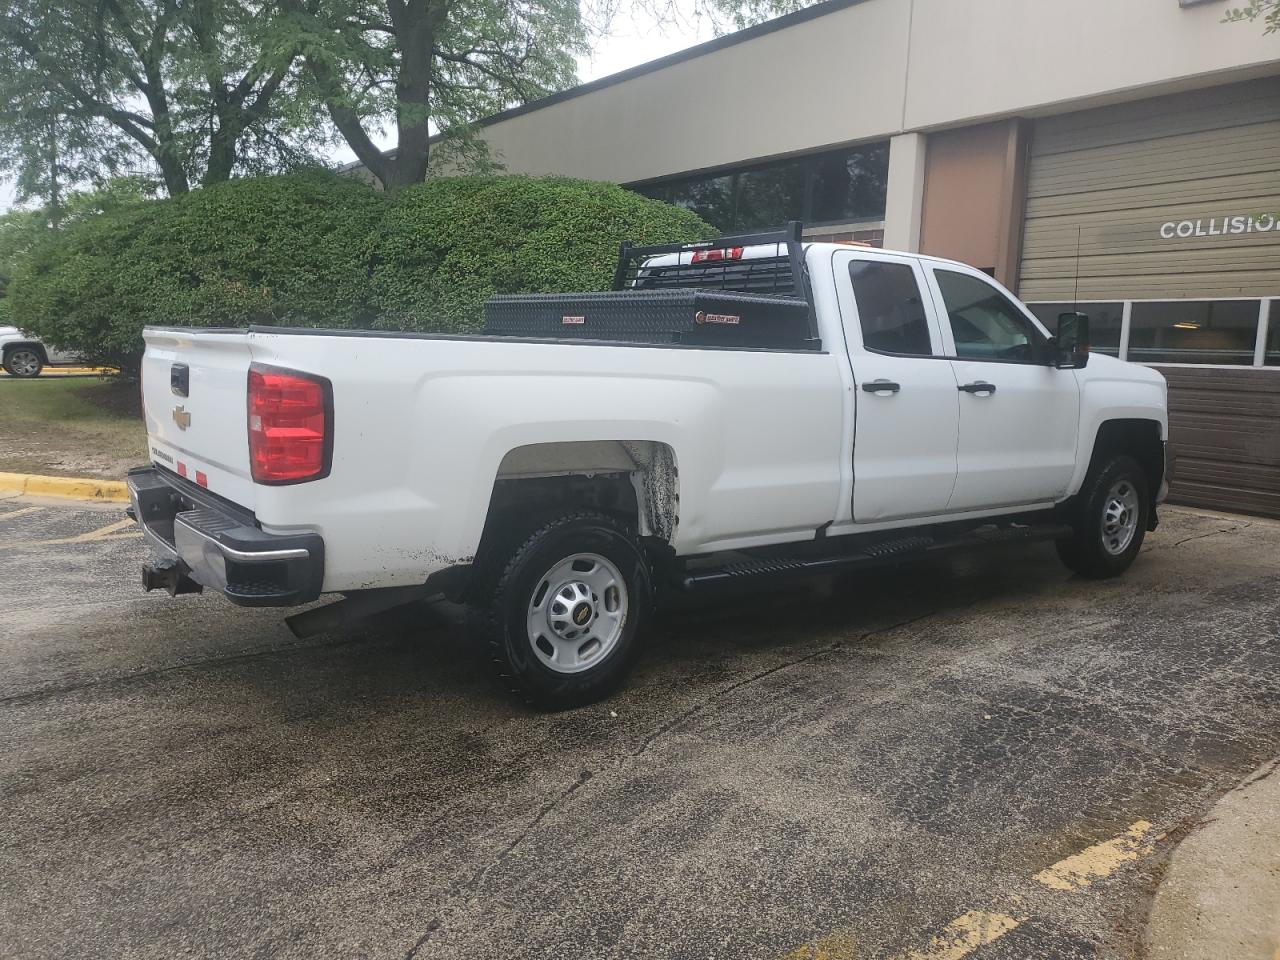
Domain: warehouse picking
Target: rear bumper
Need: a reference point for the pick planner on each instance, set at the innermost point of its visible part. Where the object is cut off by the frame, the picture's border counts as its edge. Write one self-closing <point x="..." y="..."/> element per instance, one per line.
<point x="198" y="538"/>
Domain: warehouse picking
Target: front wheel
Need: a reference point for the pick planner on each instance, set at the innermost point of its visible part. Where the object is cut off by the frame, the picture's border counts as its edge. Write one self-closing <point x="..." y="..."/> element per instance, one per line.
<point x="23" y="362"/>
<point x="561" y="608"/>
<point x="1110" y="520"/>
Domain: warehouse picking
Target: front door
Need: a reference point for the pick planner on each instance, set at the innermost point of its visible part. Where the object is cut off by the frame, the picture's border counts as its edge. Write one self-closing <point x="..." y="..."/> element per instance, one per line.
<point x="1019" y="414"/>
<point x="906" y="402"/>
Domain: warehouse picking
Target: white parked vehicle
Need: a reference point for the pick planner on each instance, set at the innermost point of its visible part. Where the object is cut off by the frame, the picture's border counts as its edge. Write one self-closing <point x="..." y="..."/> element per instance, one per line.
<point x="752" y="407"/>
<point x="24" y="356"/>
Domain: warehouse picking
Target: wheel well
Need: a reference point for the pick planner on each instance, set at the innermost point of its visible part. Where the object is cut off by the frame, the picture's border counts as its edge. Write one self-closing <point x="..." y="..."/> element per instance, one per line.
<point x="1140" y="439"/>
<point x="34" y="344"/>
<point x="634" y="480"/>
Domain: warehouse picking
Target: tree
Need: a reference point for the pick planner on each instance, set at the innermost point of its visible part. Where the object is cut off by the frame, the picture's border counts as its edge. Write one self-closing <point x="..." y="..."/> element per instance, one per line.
<point x="1268" y="11"/>
<point x="432" y="66"/>
<point x="200" y="88"/>
<point x="725" y="16"/>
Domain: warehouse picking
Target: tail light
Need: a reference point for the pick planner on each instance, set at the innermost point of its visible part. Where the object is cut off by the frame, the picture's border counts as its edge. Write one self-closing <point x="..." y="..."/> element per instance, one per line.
<point x="290" y="425"/>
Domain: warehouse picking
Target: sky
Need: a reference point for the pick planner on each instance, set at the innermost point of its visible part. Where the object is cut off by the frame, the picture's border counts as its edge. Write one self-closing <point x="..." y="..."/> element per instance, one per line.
<point x="633" y="41"/>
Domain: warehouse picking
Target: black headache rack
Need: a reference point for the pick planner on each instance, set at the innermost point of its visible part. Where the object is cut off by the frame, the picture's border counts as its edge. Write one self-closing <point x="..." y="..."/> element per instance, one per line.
<point x="709" y="294"/>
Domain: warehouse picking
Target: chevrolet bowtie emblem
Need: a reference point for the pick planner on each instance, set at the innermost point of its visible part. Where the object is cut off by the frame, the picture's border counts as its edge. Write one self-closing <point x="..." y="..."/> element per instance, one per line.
<point x="181" y="418"/>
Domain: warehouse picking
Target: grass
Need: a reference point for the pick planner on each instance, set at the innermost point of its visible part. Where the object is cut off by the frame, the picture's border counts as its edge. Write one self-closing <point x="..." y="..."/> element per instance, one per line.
<point x="71" y="427"/>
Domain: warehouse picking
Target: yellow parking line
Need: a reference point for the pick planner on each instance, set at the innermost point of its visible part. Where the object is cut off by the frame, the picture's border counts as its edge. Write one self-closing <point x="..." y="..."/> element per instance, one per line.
<point x="1100" y="860"/>
<point x="103" y="531"/>
<point x="110" y="532"/>
<point x="840" y="945"/>
<point x="963" y="935"/>
<point x="970" y="931"/>
<point x="20" y="513"/>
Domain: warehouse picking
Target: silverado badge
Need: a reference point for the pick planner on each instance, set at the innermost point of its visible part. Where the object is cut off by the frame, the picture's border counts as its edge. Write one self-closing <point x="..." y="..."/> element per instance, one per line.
<point x="181" y="418"/>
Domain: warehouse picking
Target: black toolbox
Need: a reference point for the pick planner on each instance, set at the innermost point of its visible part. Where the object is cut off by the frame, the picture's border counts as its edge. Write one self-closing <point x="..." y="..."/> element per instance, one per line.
<point x="729" y="292"/>
<point x="679" y="315"/>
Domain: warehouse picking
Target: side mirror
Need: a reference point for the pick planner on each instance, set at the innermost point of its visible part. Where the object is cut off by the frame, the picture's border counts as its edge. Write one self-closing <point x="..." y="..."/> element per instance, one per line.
<point x="1071" y="345"/>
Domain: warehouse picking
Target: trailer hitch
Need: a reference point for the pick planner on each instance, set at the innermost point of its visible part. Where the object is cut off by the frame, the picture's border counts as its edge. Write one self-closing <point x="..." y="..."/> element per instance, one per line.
<point x="169" y="575"/>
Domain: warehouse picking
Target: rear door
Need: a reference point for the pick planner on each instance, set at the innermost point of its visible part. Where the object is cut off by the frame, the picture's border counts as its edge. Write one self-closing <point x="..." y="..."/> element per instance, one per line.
<point x="194" y="392"/>
<point x="906" y="407"/>
<point x="1019" y="414"/>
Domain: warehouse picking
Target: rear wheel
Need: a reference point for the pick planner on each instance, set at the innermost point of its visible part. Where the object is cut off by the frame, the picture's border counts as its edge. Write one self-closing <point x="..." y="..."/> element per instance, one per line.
<point x="1110" y="520"/>
<point x="561" y="608"/>
<point x="23" y="362"/>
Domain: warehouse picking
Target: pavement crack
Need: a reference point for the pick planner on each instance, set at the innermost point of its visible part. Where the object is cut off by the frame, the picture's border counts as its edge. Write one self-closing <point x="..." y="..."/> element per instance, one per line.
<point x="478" y="877"/>
<point x="47" y="693"/>
<point x="646" y="742"/>
<point x="1211" y="533"/>
<point x="698" y="708"/>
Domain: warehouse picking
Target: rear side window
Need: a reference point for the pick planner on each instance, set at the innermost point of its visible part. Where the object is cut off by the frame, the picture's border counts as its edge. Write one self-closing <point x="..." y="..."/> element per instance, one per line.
<point x="890" y="310"/>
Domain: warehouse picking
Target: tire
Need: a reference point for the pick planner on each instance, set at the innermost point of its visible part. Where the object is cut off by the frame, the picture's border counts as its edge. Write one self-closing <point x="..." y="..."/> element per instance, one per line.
<point x="1110" y="520"/>
<point x="23" y="362"/>
<point x="561" y="609"/>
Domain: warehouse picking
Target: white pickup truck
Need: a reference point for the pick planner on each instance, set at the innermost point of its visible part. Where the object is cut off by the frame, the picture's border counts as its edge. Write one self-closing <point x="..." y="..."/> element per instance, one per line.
<point x="559" y="482"/>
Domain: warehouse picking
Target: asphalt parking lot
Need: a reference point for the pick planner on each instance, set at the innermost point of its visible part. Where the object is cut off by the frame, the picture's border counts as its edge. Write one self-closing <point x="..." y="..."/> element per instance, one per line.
<point x="981" y="756"/>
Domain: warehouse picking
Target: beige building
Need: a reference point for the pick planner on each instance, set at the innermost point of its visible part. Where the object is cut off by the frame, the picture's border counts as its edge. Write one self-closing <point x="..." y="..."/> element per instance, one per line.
<point x="1120" y="153"/>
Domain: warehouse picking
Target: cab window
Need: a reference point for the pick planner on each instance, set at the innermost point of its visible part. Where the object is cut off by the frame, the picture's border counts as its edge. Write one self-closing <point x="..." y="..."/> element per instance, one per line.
<point x="890" y="309"/>
<point x="984" y="324"/>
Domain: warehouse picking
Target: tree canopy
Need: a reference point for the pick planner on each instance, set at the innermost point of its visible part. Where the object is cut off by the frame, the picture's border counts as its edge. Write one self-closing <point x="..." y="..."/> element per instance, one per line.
<point x="196" y="91"/>
<point x="424" y="67"/>
<point x="1268" y="11"/>
<point x="192" y="89"/>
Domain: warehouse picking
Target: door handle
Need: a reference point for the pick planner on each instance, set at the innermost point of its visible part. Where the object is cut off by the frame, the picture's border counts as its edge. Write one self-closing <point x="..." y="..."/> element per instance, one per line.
<point x="878" y="386"/>
<point x="978" y="386"/>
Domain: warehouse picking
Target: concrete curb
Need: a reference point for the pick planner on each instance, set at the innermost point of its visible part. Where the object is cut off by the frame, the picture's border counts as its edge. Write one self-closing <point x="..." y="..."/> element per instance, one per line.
<point x="1220" y="899"/>
<point x="71" y="488"/>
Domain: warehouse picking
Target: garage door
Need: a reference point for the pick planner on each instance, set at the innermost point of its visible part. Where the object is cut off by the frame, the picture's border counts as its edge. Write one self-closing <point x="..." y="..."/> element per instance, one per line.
<point x="1162" y="218"/>
<point x="1172" y="197"/>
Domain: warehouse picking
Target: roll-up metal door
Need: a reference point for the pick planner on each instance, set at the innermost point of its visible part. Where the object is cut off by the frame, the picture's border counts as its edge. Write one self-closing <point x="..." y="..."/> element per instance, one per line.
<point x="1170" y="198"/>
<point x="1224" y="423"/>
<point x="1177" y="196"/>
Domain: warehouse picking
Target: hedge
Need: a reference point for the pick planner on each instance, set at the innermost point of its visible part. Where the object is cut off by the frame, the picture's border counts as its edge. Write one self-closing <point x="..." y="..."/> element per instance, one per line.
<point x="449" y="244"/>
<point x="317" y="249"/>
<point x="269" y="250"/>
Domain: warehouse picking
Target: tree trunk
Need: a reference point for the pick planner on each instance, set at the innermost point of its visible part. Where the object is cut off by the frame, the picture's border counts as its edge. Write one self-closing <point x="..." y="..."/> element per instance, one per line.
<point x="416" y="22"/>
<point x="165" y="150"/>
<point x="222" y="150"/>
<point x="171" y="169"/>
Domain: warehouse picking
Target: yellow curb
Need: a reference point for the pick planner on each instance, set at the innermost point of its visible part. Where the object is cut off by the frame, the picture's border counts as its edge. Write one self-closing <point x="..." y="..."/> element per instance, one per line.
<point x="70" y="372"/>
<point x="73" y="488"/>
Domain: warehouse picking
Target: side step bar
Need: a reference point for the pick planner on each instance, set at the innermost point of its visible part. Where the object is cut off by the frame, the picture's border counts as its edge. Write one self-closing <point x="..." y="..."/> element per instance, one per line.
<point x="869" y="555"/>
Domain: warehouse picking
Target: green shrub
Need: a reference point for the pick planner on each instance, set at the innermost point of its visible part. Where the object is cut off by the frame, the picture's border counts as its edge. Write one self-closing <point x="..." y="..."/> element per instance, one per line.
<point x="317" y="249"/>
<point x="449" y="244"/>
<point x="290" y="250"/>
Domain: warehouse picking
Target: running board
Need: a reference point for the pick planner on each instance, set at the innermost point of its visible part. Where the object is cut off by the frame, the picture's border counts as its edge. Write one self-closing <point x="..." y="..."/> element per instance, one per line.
<point x="870" y="555"/>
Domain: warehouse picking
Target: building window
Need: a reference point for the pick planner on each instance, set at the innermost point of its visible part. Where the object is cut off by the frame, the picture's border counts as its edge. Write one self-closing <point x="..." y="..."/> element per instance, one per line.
<point x="1272" y="355"/>
<point x="1105" y="322"/>
<point x="1194" y="331"/>
<point x="840" y="186"/>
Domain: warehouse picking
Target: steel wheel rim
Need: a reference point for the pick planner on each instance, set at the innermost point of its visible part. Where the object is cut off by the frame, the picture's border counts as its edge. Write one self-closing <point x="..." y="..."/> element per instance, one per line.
<point x="1120" y="517"/>
<point x="577" y="612"/>
<point x="24" y="363"/>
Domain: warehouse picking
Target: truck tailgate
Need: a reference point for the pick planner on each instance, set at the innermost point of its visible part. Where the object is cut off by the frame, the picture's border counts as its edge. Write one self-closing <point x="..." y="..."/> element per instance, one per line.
<point x="194" y="389"/>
